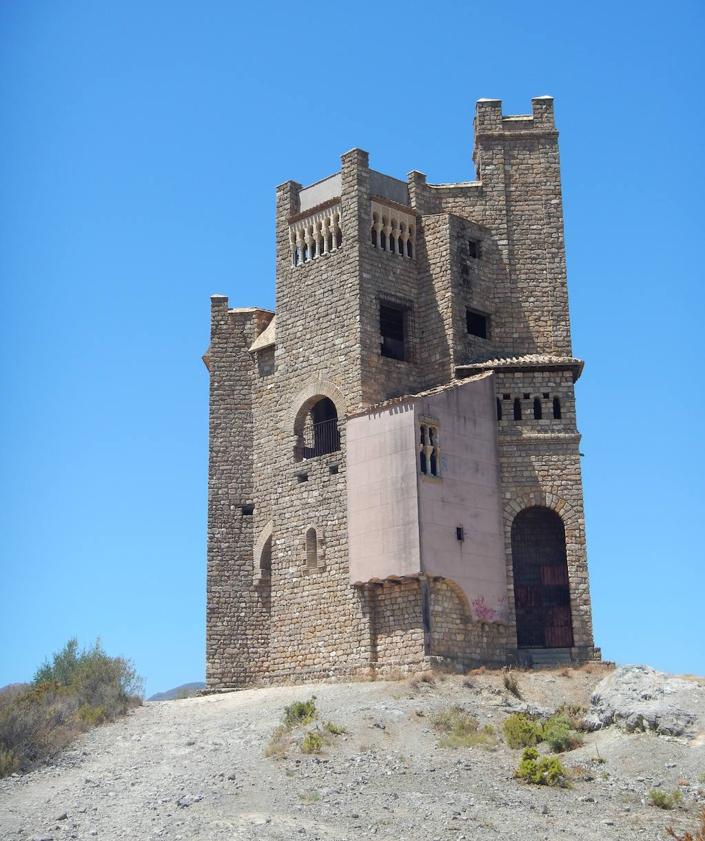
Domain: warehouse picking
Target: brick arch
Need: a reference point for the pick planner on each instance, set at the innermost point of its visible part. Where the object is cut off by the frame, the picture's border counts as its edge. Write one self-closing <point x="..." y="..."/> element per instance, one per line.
<point x="313" y="391"/>
<point x="459" y="593"/>
<point x="265" y="535"/>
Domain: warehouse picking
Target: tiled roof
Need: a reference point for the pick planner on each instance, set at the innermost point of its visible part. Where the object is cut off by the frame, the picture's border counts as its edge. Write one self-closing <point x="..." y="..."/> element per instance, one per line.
<point x="529" y="360"/>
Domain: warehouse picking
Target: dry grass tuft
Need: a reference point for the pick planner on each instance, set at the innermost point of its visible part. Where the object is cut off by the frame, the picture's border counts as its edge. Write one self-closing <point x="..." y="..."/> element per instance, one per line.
<point x="459" y="729"/>
<point x="688" y="836"/>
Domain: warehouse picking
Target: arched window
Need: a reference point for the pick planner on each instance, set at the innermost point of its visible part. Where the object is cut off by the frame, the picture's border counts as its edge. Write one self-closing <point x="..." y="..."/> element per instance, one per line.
<point x="556" y="408"/>
<point x="409" y="246"/>
<point x="538" y="413"/>
<point x="265" y="559"/>
<point x="517" y="408"/>
<point x="541" y="588"/>
<point x="499" y="409"/>
<point x="311" y="548"/>
<point x="318" y="433"/>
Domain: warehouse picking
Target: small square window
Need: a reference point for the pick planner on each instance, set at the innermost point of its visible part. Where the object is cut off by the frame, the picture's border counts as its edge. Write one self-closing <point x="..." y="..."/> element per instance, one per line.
<point x="477" y="324"/>
<point x="392" y="331"/>
<point x="474" y="248"/>
<point x="248" y="510"/>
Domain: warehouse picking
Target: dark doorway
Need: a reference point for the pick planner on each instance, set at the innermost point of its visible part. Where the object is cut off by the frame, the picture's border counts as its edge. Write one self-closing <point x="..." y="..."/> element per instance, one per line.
<point x="541" y="592"/>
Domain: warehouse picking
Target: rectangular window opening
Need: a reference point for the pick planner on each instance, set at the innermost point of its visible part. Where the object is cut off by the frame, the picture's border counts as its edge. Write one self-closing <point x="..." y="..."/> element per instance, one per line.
<point x="333" y="469"/>
<point x="474" y="248"/>
<point x="301" y="477"/>
<point x="477" y="323"/>
<point x="392" y="331"/>
<point x="248" y="510"/>
<point x="460" y="533"/>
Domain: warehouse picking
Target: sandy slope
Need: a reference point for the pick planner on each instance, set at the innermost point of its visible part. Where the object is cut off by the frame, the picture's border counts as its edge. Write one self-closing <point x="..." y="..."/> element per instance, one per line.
<point x="196" y="768"/>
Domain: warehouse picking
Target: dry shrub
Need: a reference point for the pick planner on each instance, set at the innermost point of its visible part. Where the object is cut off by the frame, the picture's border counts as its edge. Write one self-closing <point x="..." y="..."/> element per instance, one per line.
<point x="459" y="729"/>
<point x="688" y="836"/>
<point x="75" y="691"/>
<point x="279" y="743"/>
<point x="666" y="799"/>
<point x="421" y="680"/>
<point x="511" y="685"/>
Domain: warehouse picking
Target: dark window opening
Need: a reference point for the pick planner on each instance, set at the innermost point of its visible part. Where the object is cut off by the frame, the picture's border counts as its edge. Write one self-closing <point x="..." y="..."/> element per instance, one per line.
<point x="338" y="238"/>
<point x="248" y="510"/>
<point x="409" y="248"/>
<point x="506" y="397"/>
<point x="311" y="549"/>
<point x="477" y="323"/>
<point x="527" y="396"/>
<point x="538" y="412"/>
<point x="301" y="477"/>
<point x="517" y="408"/>
<point x="556" y="408"/>
<point x="382" y="240"/>
<point x="373" y="235"/>
<point x="392" y="332"/>
<point x="400" y="246"/>
<point x="265" y="561"/>
<point x="333" y="469"/>
<point x="459" y="533"/>
<point x="474" y="248"/>
<point x="546" y="395"/>
<point x="320" y="433"/>
<point x="499" y="409"/>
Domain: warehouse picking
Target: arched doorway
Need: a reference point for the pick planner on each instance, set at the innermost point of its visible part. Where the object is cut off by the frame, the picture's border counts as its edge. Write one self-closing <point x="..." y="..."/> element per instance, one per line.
<point x="541" y="591"/>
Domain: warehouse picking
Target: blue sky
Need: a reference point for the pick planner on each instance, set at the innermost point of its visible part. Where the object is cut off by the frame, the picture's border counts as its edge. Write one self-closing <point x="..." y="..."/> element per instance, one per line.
<point x="141" y="144"/>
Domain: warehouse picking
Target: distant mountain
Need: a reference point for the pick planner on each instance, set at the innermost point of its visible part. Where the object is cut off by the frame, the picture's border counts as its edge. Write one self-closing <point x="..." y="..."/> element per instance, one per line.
<point x="186" y="690"/>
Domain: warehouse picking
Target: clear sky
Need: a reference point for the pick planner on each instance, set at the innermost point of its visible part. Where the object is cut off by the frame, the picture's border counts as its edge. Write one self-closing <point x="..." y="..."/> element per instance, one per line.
<point x="141" y="143"/>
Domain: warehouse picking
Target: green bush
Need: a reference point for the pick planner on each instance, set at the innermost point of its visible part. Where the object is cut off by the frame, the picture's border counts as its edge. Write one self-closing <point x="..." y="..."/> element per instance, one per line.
<point x="312" y="743"/>
<point x="520" y="731"/>
<point x="70" y="694"/>
<point x="666" y="799"/>
<point x="559" y="736"/>
<point x="300" y="712"/>
<point x="541" y="770"/>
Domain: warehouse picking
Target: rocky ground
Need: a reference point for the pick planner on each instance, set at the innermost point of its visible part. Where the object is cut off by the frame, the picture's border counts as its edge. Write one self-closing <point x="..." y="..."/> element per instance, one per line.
<point x="196" y="768"/>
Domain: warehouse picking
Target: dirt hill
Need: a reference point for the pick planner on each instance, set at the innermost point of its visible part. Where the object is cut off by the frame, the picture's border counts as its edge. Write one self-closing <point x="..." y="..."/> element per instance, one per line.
<point x="196" y="768"/>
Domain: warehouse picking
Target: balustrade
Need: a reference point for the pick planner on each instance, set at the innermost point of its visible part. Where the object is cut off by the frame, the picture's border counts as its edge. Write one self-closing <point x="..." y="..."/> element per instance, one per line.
<point x="315" y="235"/>
<point x="392" y="230"/>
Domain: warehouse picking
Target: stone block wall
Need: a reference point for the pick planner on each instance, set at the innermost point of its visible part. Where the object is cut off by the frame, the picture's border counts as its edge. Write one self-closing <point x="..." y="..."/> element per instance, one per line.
<point x="306" y="621"/>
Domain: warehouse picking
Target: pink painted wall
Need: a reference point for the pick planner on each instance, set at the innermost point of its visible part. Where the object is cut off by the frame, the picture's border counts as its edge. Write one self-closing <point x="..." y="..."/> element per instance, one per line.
<point x="466" y="495"/>
<point x="383" y="532"/>
<point x="401" y="522"/>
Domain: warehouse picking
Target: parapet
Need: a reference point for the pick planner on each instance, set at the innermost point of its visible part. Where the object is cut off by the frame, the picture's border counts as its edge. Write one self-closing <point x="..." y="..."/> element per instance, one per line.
<point x="490" y="120"/>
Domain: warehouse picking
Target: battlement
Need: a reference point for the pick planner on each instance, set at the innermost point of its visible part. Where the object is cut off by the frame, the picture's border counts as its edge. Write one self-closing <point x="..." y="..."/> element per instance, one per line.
<point x="490" y="120"/>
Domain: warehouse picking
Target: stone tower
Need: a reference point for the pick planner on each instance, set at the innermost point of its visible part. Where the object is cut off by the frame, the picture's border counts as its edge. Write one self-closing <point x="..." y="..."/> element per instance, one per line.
<point x="394" y="474"/>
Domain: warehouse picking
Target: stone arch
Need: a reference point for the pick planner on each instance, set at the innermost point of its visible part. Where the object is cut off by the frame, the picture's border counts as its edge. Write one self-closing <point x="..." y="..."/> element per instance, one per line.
<point x="309" y="394"/>
<point x="316" y="435"/>
<point x="263" y="546"/>
<point x="551" y="498"/>
<point x="313" y="547"/>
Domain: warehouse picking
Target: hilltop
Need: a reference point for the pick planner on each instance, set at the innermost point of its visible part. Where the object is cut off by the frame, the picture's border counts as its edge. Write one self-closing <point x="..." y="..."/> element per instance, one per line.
<point x="196" y="768"/>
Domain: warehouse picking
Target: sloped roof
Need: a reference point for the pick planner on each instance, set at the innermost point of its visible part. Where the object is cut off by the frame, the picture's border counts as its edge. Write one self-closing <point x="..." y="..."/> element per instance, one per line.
<point x="266" y="338"/>
<point x="529" y="360"/>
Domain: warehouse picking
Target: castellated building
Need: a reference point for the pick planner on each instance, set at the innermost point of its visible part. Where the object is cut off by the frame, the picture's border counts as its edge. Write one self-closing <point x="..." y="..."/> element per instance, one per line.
<point x="394" y="476"/>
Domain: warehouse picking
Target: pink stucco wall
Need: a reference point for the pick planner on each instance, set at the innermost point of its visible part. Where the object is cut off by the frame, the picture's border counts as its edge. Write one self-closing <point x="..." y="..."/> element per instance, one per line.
<point x="467" y="495"/>
<point x="383" y="532"/>
<point x="401" y="522"/>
